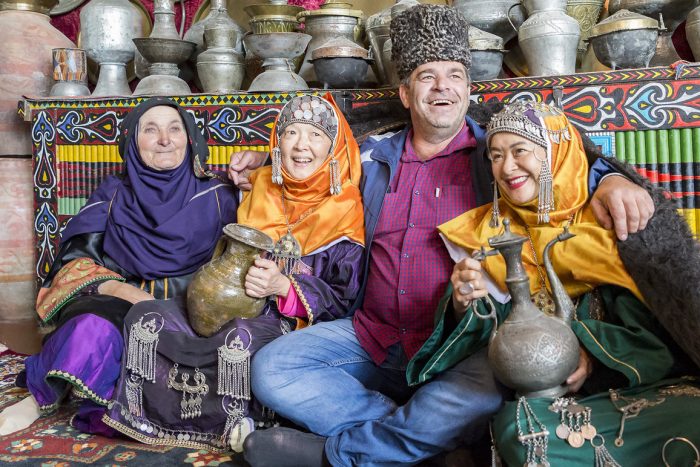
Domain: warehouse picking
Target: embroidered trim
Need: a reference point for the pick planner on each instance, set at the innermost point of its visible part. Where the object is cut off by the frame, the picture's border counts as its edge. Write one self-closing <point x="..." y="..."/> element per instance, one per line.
<point x="79" y="394"/>
<point x="163" y="436"/>
<point x="300" y="294"/>
<point x="79" y="384"/>
<point x="70" y="296"/>
<point x="45" y="409"/>
<point x="639" y="377"/>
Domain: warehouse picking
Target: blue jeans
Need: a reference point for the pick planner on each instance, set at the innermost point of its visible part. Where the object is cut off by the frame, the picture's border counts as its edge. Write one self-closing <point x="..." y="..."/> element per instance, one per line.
<point x="322" y="379"/>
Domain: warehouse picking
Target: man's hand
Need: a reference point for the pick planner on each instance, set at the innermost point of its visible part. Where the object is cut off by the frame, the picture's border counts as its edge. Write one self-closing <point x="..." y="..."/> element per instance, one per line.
<point x="264" y="279"/>
<point x="467" y="285"/>
<point x="584" y="370"/>
<point x="242" y="164"/>
<point x="124" y="291"/>
<point x="621" y="204"/>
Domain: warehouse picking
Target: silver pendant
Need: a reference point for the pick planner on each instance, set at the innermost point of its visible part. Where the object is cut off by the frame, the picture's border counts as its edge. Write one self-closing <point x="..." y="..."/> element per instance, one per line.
<point x="588" y="431"/>
<point x="191" y="403"/>
<point x="562" y="431"/>
<point x="234" y="367"/>
<point x="286" y="252"/>
<point x="575" y="439"/>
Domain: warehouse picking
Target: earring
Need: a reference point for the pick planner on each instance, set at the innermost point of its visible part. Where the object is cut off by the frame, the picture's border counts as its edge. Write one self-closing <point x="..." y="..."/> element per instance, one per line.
<point x="545" y="202"/>
<point x="277" y="166"/>
<point x="335" y="176"/>
<point x="495" y="212"/>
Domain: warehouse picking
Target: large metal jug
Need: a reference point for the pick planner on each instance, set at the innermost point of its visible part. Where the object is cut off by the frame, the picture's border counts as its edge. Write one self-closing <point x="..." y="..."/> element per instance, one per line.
<point x="549" y="38"/>
<point x="531" y="352"/>
<point x="493" y="16"/>
<point x="216" y="294"/>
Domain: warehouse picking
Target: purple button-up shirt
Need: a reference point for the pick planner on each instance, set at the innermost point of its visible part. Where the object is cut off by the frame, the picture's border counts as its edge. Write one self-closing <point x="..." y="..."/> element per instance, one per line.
<point x="409" y="265"/>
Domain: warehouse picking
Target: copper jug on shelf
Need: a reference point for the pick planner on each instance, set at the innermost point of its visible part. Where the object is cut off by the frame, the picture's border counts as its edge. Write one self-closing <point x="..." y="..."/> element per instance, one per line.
<point x="531" y="352"/>
<point x="216" y="294"/>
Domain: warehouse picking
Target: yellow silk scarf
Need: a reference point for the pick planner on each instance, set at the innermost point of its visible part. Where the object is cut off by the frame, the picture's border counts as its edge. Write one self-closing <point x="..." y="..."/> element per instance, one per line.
<point x="328" y="217"/>
<point x="588" y="260"/>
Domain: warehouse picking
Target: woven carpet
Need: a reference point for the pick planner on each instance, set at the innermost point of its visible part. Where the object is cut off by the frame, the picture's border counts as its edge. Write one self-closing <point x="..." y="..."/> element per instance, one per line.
<point x="52" y="442"/>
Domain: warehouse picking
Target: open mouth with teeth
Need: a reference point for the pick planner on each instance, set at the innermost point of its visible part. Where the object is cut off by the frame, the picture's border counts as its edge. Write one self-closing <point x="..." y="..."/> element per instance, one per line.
<point x="517" y="182"/>
<point x="301" y="160"/>
<point x="441" y="102"/>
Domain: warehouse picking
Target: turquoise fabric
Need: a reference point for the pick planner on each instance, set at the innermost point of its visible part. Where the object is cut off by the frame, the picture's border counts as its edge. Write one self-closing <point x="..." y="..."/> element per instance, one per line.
<point x="643" y="436"/>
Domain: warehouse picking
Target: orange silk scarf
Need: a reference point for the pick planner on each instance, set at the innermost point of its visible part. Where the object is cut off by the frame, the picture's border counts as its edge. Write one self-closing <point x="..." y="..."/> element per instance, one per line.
<point x="328" y="217"/>
<point x="588" y="260"/>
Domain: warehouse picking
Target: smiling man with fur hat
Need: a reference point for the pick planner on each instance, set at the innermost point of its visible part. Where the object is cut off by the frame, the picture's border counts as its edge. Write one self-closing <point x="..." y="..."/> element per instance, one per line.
<point x="345" y="380"/>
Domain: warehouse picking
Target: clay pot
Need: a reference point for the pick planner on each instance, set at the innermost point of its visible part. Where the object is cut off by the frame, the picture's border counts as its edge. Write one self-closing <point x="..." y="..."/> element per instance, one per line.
<point x="17" y="275"/>
<point x="216" y="294"/>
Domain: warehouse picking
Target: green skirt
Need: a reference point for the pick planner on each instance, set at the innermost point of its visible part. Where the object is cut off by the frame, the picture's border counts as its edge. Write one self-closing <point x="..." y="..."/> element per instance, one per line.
<point x="644" y="435"/>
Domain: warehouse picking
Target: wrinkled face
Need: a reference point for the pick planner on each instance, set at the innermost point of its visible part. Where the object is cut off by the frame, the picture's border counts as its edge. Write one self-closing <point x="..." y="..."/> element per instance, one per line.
<point x="162" y="139"/>
<point x="304" y="148"/>
<point x="437" y="94"/>
<point x="515" y="167"/>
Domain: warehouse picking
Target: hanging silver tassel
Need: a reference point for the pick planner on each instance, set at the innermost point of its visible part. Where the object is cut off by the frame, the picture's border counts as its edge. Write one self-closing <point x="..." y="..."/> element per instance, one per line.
<point x="141" y="352"/>
<point x="603" y="458"/>
<point x="495" y="212"/>
<point x="192" y="396"/>
<point x="234" y="369"/>
<point x="335" y="177"/>
<point x="234" y="415"/>
<point x="277" y="166"/>
<point x="286" y="253"/>
<point x="134" y="395"/>
<point x="545" y="201"/>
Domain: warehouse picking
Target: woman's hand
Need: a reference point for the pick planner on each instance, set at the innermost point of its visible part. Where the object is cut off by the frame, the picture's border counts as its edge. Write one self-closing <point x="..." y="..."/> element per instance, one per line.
<point x="468" y="285"/>
<point x="264" y="279"/>
<point x="242" y="164"/>
<point x="124" y="291"/>
<point x="584" y="370"/>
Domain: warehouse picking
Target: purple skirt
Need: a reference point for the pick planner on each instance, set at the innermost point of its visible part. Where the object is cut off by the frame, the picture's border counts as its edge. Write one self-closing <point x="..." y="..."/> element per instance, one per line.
<point x="82" y="358"/>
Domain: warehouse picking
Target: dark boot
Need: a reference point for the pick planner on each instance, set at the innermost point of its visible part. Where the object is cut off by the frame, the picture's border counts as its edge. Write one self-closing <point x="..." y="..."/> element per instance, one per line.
<point x="284" y="447"/>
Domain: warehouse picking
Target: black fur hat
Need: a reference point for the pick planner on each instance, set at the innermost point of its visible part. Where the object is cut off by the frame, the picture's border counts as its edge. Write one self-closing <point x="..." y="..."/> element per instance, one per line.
<point x="429" y="33"/>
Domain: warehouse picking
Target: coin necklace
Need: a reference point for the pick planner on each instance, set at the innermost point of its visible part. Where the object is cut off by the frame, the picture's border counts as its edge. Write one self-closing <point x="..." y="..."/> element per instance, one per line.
<point x="286" y="251"/>
<point x="575" y="421"/>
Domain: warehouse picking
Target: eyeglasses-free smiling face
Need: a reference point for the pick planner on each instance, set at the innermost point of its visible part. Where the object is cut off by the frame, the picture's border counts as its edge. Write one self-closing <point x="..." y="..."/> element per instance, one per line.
<point x="437" y="95"/>
<point x="304" y="148"/>
<point x="516" y="164"/>
<point x="162" y="138"/>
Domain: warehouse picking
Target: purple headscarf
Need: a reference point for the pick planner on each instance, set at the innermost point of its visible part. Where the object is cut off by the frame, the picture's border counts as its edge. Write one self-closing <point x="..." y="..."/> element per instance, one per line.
<point x="157" y="223"/>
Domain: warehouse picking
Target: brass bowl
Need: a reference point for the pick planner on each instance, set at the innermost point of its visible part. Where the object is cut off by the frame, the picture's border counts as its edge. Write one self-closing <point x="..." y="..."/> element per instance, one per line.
<point x="267" y="9"/>
<point x="273" y="23"/>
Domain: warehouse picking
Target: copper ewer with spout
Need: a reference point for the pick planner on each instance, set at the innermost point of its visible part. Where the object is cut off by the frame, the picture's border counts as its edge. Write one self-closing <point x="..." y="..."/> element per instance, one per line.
<point x="216" y="294"/>
<point x="531" y="352"/>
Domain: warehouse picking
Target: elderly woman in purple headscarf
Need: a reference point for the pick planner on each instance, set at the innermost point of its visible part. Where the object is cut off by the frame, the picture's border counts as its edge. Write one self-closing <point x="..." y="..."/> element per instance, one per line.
<point x="140" y="236"/>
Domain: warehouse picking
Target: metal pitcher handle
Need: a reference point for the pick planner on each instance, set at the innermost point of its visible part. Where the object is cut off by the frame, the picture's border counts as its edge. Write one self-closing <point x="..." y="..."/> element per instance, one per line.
<point x="490" y="315"/>
<point x="480" y="255"/>
<point x="508" y="15"/>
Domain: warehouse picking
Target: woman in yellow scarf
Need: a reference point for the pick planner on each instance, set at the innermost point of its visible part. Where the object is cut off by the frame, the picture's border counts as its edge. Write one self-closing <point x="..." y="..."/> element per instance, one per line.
<point x="540" y="169"/>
